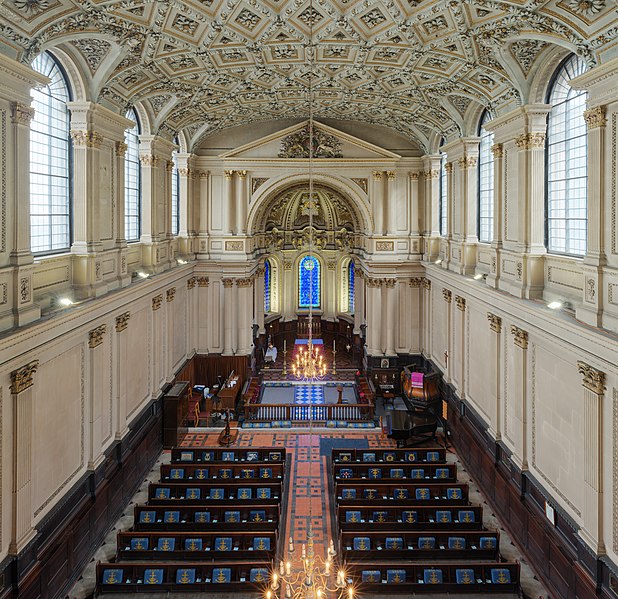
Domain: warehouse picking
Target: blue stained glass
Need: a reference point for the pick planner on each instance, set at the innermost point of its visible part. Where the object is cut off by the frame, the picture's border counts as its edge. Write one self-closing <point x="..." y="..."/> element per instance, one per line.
<point x="267" y="286"/>
<point x="309" y="283"/>
<point x="351" y="287"/>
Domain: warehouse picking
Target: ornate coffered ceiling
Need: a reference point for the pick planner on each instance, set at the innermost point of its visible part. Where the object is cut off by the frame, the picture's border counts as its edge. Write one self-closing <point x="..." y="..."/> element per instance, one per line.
<point x="418" y="66"/>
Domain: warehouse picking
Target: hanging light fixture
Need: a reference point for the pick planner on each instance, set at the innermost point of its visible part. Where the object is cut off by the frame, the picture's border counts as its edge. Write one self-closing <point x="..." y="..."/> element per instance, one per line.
<point x="309" y="365"/>
<point x="309" y="576"/>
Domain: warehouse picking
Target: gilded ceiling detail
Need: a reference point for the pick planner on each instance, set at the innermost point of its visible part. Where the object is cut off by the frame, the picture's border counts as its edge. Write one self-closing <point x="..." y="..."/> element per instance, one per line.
<point x="416" y="66"/>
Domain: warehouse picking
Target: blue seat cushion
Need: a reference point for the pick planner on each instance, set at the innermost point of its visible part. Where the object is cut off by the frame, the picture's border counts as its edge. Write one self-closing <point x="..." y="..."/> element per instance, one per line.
<point x="396" y="576"/>
<point x="464" y="576"/>
<point x="153" y="576"/>
<point x="113" y="576"/>
<point x="444" y="516"/>
<point x="456" y="543"/>
<point x="426" y="542"/>
<point x="500" y="576"/>
<point x="185" y="576"/>
<point x="432" y="576"/>
<point x="371" y="576"/>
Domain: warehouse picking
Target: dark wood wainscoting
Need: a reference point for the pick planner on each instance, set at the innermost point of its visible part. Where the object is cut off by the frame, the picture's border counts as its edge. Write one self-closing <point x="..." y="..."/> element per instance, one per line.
<point x="70" y="535"/>
<point x="566" y="566"/>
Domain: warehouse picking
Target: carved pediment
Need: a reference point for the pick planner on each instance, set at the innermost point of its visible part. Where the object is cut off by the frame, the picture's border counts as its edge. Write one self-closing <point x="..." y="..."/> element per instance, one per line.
<point x="293" y="143"/>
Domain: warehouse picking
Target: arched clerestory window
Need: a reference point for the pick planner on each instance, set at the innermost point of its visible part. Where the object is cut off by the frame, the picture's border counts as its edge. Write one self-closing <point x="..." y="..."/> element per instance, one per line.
<point x="351" y="287"/>
<point x="267" y="287"/>
<point x="443" y="205"/>
<point x="132" y="181"/>
<point x="175" y="192"/>
<point x="486" y="182"/>
<point x="50" y="161"/>
<point x="309" y="289"/>
<point x="566" y="151"/>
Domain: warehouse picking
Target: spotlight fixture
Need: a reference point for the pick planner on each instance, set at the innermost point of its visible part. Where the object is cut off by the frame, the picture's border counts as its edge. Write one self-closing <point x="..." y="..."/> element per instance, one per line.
<point x="554" y="305"/>
<point x="478" y="277"/>
<point x="181" y="261"/>
<point x="438" y="261"/>
<point x="142" y="274"/>
<point x="66" y="302"/>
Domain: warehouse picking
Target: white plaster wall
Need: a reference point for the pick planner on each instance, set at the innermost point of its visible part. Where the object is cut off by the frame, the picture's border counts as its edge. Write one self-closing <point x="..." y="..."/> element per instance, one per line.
<point x="556" y="424"/>
<point x="479" y="350"/>
<point x="59" y="424"/>
<point x="137" y="368"/>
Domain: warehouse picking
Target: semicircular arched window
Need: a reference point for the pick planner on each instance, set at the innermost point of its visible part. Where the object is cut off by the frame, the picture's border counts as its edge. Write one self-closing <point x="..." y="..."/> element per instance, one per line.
<point x="309" y="295"/>
<point x="50" y="161"/>
<point x="132" y="180"/>
<point x="267" y="284"/>
<point x="567" y="178"/>
<point x="486" y="182"/>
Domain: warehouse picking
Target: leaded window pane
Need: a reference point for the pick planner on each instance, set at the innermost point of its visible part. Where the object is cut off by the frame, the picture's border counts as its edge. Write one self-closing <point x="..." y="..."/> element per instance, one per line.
<point x="309" y="283"/>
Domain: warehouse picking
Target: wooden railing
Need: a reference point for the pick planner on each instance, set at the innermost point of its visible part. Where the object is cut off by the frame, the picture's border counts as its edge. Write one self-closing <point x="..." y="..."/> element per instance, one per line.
<point x="348" y="412"/>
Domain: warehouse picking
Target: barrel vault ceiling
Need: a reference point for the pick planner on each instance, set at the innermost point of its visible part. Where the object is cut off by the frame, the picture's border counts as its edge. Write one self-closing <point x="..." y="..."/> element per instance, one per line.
<point x="200" y="66"/>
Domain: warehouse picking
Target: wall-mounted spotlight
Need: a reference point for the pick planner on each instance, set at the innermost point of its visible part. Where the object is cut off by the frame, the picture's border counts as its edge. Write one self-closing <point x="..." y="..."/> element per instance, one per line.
<point x="181" y="261"/>
<point x="438" y="261"/>
<point x="479" y="276"/>
<point x="555" y="305"/>
<point x="66" y="302"/>
<point x="142" y="274"/>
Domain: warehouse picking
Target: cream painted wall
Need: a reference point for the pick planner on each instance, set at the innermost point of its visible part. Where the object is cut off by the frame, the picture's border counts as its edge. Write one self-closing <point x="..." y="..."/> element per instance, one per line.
<point x="83" y="397"/>
<point x="566" y="436"/>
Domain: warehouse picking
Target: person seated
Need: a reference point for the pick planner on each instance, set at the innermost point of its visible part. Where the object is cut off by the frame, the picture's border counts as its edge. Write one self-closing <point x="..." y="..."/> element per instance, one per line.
<point x="271" y="354"/>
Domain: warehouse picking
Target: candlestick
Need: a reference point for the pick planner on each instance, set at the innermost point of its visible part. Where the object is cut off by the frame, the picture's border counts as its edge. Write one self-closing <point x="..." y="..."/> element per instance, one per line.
<point x="284" y="345"/>
<point x="333" y="345"/>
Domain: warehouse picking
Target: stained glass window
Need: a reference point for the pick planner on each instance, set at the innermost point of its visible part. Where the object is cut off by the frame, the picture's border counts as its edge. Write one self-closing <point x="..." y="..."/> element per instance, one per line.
<point x="267" y="275"/>
<point x="50" y="164"/>
<point x="486" y="182"/>
<point x="309" y="283"/>
<point x="567" y="178"/>
<point x="351" y="287"/>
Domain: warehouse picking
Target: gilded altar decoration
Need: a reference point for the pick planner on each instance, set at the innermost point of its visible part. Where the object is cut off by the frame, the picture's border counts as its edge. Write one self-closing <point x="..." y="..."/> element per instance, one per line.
<point x="23" y="378"/>
<point x="95" y="337"/>
<point x="297" y="145"/>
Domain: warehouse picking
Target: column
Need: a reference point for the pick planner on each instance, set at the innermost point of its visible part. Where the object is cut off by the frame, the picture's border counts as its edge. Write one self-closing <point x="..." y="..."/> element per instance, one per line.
<point x="124" y="278"/>
<point x="155" y="152"/>
<point x="431" y="226"/>
<point x="228" y="201"/>
<point x="20" y="257"/>
<point x="95" y="340"/>
<point x="193" y="316"/>
<point x="591" y="309"/>
<point x="229" y="310"/>
<point x="185" y="191"/>
<point x="170" y="321"/>
<point x="22" y="381"/>
<point x="359" y="300"/>
<point x="389" y="294"/>
<point x="460" y="352"/>
<point x="158" y="345"/>
<point x="241" y="202"/>
<point x="447" y="236"/>
<point x="258" y="299"/>
<point x="426" y="317"/>
<point x="207" y="311"/>
<point x="520" y="396"/>
<point x="493" y="375"/>
<point x="594" y="390"/>
<point x="122" y="322"/>
<point x="374" y="307"/>
<point x="446" y="356"/>
<point x="244" y="315"/>
<point x="391" y="203"/>
<point x="204" y="208"/>
<point x="499" y="186"/>
<point x="414" y="207"/>
<point x="378" y="204"/>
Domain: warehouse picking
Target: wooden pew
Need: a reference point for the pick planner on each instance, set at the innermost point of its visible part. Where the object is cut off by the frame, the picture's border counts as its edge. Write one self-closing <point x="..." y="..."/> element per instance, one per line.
<point x="207" y="518"/>
<point x="199" y="455"/>
<point x="252" y="471"/>
<point x="190" y="576"/>
<point x="384" y="577"/>
<point x="355" y="472"/>
<point x="193" y="546"/>
<point x="404" y="545"/>
<point x="413" y="494"/>
<point x="231" y="491"/>
<point x="410" y="517"/>
<point x="431" y="455"/>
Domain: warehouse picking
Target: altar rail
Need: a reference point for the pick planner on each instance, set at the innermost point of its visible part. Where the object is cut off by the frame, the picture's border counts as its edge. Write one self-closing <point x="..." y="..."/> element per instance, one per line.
<point x="342" y="412"/>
